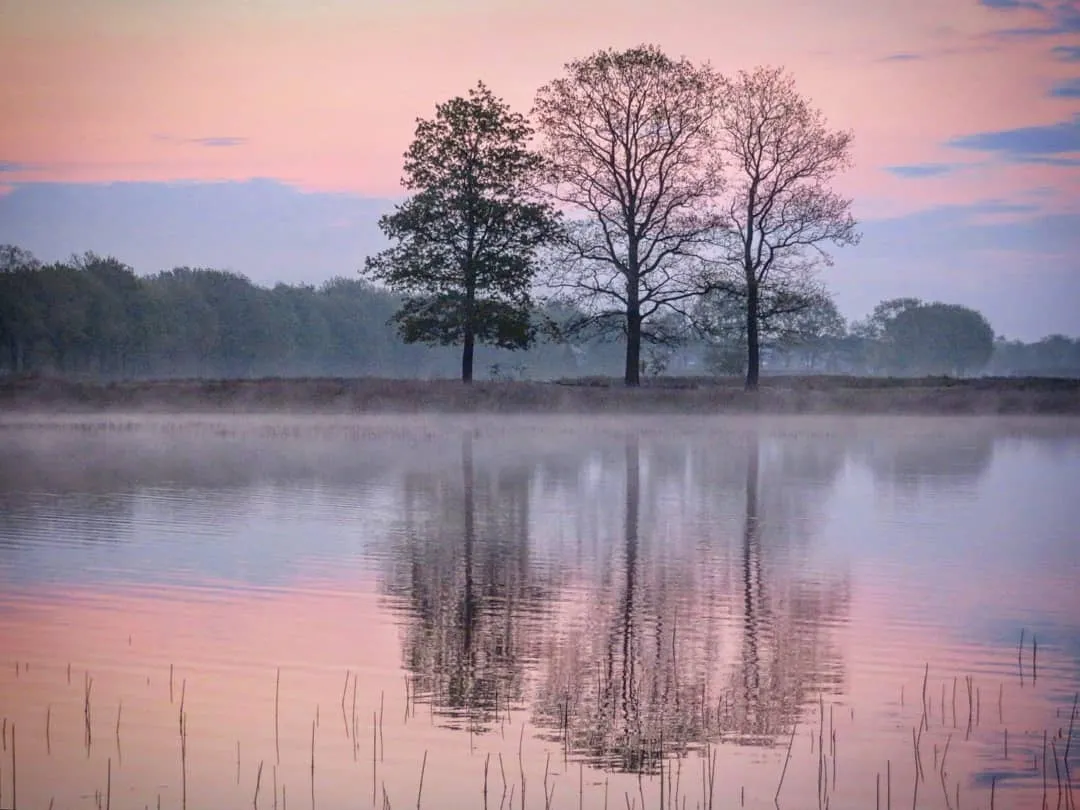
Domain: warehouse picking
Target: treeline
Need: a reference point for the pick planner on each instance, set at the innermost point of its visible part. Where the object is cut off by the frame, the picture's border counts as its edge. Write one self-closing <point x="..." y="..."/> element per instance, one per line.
<point x="95" y="316"/>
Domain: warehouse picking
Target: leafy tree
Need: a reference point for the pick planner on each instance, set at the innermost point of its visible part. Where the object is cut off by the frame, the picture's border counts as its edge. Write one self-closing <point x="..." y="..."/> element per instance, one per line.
<point x="1053" y="355"/>
<point x="790" y="317"/>
<point x="910" y="336"/>
<point x="939" y="339"/>
<point x="873" y="327"/>
<point x="21" y="316"/>
<point x="627" y="137"/>
<point x="781" y="211"/>
<point x="114" y="310"/>
<point x="467" y="239"/>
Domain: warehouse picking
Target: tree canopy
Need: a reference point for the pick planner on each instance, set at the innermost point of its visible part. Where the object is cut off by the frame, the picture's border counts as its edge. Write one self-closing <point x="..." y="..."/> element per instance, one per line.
<point x="938" y="338"/>
<point x="780" y="156"/>
<point x="466" y="241"/>
<point x="626" y="135"/>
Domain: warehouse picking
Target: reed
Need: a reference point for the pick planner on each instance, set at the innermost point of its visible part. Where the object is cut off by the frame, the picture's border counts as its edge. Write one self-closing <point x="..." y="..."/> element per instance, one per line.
<point x="1044" y="767"/>
<point x="1034" y="658"/>
<point x="258" y="782"/>
<point x="925" y="707"/>
<point x="119" y="711"/>
<point x="1068" y="739"/>
<point x="787" y="759"/>
<point x="420" y="788"/>
<point x="277" y="697"/>
<point x="356" y="744"/>
<point x="547" y="796"/>
<point x="88" y="685"/>
<point x="1057" y="771"/>
<point x="1020" y="656"/>
<point x="183" y="756"/>
<point x="944" y="757"/>
<point x="521" y="763"/>
<point x="487" y="762"/>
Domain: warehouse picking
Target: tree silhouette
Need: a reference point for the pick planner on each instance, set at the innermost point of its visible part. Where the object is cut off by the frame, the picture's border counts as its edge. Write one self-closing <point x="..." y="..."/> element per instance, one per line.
<point x="627" y="136"/>
<point x="470" y="600"/>
<point x="781" y="211"/>
<point x="466" y="240"/>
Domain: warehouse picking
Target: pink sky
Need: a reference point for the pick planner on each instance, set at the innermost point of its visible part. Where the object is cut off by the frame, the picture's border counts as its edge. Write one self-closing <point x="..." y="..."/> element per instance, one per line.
<point x="326" y="93"/>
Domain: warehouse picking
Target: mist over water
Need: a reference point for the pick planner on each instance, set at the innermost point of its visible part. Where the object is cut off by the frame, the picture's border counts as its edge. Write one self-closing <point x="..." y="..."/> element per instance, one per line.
<point x="588" y="610"/>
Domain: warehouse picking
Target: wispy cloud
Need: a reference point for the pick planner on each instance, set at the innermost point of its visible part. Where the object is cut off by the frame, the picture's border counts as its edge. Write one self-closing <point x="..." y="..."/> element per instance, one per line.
<point x="1067" y="53"/>
<point x="1060" y="17"/>
<point x="1049" y="160"/>
<point x="211" y="141"/>
<point x="1011" y="4"/>
<point x="1041" y="144"/>
<point x="219" y="141"/>
<point x="8" y="166"/>
<point x="902" y="57"/>
<point x="916" y="171"/>
<point x="1069" y="88"/>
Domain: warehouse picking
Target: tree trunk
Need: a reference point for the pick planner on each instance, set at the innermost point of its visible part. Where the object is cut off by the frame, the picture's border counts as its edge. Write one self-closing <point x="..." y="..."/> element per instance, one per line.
<point x="467" y="352"/>
<point x="632" y="375"/>
<point x="632" y="372"/>
<point x="753" y="347"/>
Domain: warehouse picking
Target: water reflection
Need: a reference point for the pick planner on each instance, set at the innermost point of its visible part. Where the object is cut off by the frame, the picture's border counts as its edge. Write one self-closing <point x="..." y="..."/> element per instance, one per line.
<point x="657" y="638"/>
<point x="944" y="459"/>
<point x="469" y="595"/>
<point x="787" y="655"/>
<point x="613" y="594"/>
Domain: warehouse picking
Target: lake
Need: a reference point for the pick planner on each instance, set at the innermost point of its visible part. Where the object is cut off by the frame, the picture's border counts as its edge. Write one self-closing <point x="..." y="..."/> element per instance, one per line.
<point x="539" y="612"/>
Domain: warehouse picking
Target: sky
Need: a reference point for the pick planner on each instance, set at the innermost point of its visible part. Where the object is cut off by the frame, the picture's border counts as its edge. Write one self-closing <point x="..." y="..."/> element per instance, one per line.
<point x="266" y="136"/>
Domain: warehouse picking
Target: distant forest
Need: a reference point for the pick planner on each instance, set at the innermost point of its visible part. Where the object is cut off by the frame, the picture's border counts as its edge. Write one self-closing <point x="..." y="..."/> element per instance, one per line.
<point x="94" y="316"/>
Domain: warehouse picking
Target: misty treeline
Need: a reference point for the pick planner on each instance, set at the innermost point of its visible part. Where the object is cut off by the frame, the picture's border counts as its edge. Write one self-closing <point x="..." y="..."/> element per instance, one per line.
<point x="94" y="315"/>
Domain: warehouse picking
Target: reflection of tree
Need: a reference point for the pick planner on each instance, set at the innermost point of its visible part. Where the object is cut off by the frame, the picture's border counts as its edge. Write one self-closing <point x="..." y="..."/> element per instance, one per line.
<point x="616" y="687"/>
<point x="88" y="475"/>
<point x="785" y="657"/>
<point x="463" y="579"/>
<point x="638" y="665"/>
<point x="940" y="458"/>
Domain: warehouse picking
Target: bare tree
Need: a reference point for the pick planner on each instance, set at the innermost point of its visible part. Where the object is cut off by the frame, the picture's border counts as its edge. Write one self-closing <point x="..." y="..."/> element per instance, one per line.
<point x="781" y="157"/>
<point x="628" y="140"/>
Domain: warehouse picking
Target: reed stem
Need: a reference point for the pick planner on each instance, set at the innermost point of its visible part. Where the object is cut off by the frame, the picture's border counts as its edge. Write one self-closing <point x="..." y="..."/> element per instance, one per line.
<point x="420" y="789"/>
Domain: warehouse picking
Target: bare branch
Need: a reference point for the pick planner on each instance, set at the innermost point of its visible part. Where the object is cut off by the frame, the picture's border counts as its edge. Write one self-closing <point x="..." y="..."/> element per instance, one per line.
<point x="627" y="138"/>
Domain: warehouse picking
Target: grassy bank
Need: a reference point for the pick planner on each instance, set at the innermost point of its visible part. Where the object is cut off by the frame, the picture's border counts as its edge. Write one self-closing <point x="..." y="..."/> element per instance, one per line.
<point x="817" y="394"/>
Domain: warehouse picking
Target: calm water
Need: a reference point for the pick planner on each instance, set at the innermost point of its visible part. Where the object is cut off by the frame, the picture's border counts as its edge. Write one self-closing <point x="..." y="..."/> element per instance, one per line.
<point x="462" y="612"/>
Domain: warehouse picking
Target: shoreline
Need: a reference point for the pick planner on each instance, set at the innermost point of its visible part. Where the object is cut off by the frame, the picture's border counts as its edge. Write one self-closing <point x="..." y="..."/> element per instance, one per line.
<point x="835" y="395"/>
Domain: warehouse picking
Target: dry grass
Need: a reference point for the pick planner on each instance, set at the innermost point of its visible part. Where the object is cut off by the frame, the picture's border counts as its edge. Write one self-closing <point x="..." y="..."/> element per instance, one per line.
<point x="785" y="395"/>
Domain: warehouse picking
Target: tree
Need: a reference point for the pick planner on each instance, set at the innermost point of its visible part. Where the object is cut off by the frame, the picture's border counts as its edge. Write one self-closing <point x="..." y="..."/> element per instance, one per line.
<point x="781" y="211"/>
<point x="938" y="339"/>
<point x="468" y="238"/>
<point x="818" y="330"/>
<point x="627" y="137"/>
<point x="21" y="316"/>
<point x="792" y="316"/>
